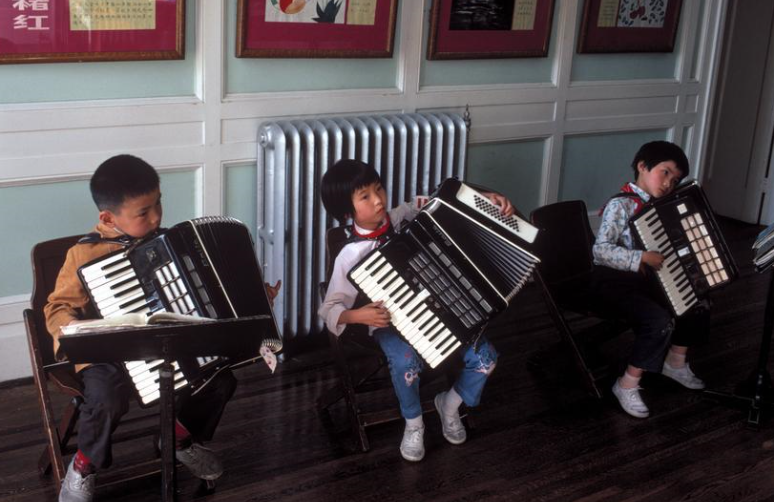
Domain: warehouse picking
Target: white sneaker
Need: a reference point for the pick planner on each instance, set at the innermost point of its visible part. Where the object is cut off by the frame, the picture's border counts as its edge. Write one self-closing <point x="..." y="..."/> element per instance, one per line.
<point x="630" y="400"/>
<point x="412" y="447"/>
<point x="201" y="461"/>
<point x="684" y="376"/>
<point x="77" y="488"/>
<point x="451" y="425"/>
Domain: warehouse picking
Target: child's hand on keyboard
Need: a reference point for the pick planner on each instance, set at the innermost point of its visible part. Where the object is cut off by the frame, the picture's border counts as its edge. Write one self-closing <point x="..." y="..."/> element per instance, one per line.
<point x="652" y="259"/>
<point x="374" y="314"/>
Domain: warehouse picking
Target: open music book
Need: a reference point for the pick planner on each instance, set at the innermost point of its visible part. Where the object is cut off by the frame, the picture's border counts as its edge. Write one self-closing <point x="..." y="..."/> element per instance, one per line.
<point x="128" y="321"/>
<point x="131" y="321"/>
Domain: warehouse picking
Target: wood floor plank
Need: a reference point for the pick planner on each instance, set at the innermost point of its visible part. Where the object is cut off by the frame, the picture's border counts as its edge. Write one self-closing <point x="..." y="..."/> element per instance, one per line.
<point x="537" y="436"/>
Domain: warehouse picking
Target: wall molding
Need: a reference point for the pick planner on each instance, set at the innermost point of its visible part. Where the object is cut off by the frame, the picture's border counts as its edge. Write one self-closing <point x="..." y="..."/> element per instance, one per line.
<point x="63" y="141"/>
<point x="11" y="308"/>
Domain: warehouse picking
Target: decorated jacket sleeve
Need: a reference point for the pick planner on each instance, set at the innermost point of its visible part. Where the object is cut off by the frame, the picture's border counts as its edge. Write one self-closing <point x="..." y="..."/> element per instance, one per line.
<point x="609" y="249"/>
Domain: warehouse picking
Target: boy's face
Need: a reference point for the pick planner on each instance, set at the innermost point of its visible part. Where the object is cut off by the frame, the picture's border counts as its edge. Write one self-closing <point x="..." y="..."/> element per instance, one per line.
<point x="660" y="180"/>
<point x="137" y="216"/>
<point x="370" y="206"/>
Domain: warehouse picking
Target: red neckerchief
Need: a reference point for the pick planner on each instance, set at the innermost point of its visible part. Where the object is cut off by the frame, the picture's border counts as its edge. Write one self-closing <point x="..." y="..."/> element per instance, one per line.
<point x="376" y="233"/>
<point x="625" y="191"/>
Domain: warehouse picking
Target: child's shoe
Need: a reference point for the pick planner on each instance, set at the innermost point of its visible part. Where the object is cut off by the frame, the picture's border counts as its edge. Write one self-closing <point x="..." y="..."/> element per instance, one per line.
<point x="630" y="400"/>
<point x="76" y="487"/>
<point x="684" y="376"/>
<point x="412" y="447"/>
<point x="201" y="461"/>
<point x="451" y="425"/>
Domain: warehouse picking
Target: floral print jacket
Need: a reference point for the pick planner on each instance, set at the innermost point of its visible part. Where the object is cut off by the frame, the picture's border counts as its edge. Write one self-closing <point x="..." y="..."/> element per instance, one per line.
<point x="614" y="246"/>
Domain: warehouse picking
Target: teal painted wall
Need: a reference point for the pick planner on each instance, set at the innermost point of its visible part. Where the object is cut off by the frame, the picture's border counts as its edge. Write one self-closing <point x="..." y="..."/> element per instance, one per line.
<point x="514" y="169"/>
<point x="35" y="83"/>
<point x="241" y="202"/>
<point x="36" y="213"/>
<point x="595" y="167"/>
<point x="280" y="75"/>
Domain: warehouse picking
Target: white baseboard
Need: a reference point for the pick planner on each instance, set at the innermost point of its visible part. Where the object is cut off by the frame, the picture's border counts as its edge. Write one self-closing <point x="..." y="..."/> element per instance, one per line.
<point x="14" y="352"/>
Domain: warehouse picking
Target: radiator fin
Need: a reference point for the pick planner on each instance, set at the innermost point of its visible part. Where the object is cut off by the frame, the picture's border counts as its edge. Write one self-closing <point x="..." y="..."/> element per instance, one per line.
<point x="412" y="153"/>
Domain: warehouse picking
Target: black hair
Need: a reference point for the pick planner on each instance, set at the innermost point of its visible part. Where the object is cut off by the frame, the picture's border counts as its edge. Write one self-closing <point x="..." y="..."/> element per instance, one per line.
<point x="121" y="177"/>
<point x="341" y="181"/>
<point x="655" y="152"/>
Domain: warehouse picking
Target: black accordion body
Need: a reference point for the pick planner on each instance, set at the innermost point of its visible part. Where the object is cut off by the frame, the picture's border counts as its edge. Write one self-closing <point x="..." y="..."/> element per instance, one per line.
<point x="682" y="227"/>
<point x="449" y="271"/>
<point x="204" y="267"/>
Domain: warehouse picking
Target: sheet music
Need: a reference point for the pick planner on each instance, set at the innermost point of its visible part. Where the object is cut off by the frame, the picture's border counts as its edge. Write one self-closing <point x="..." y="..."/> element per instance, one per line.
<point x="125" y="321"/>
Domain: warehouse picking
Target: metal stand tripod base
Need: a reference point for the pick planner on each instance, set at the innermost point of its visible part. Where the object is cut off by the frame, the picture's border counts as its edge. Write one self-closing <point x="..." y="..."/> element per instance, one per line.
<point x="756" y="396"/>
<point x="168" y="475"/>
<point x="756" y="393"/>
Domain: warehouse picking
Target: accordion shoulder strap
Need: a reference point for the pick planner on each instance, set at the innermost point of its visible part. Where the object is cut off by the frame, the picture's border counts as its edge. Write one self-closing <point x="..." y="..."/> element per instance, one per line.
<point x="96" y="238"/>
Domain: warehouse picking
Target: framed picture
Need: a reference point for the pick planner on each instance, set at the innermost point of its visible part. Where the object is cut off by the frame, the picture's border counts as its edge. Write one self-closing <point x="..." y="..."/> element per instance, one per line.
<point x="483" y="29"/>
<point x="51" y="31"/>
<point x="629" y="25"/>
<point x="315" y="28"/>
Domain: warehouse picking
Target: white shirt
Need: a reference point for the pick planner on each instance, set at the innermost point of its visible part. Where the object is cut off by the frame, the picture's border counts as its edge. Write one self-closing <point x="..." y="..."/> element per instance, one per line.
<point x="341" y="292"/>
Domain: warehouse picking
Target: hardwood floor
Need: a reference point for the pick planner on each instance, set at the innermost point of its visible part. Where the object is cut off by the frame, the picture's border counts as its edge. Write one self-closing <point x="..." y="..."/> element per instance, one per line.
<point x="537" y="436"/>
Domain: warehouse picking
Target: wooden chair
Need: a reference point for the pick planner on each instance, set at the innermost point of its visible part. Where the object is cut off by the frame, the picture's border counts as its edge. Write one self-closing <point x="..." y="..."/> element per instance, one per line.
<point x="361" y="365"/>
<point x="564" y="246"/>
<point x="47" y="259"/>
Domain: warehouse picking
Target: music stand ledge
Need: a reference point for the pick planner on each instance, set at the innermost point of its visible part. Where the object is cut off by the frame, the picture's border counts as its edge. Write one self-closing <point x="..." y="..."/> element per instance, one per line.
<point x="168" y="342"/>
<point x="755" y="394"/>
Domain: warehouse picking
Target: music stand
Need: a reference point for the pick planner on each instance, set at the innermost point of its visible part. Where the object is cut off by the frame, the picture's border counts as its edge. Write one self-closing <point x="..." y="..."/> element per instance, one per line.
<point x="224" y="337"/>
<point x="756" y="393"/>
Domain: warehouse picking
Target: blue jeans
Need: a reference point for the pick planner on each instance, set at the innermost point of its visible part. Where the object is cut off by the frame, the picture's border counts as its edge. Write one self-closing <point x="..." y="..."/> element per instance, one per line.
<point x="405" y="366"/>
<point x="637" y="299"/>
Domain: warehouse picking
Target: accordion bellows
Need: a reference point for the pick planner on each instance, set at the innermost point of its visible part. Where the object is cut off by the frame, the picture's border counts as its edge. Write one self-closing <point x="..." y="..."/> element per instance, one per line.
<point x="203" y="267"/>
<point x="448" y="272"/>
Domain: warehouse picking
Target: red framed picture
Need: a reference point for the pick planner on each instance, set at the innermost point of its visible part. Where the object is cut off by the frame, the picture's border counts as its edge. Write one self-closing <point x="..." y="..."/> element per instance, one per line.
<point x="629" y="26"/>
<point x="315" y="28"/>
<point x="484" y="29"/>
<point x="51" y="31"/>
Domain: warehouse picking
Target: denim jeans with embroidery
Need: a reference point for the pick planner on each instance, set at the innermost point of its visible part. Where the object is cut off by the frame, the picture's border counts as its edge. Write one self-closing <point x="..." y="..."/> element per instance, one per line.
<point x="405" y="366"/>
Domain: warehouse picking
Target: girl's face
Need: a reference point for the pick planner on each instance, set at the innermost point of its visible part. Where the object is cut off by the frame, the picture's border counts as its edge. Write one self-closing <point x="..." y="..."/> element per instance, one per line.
<point x="369" y="203"/>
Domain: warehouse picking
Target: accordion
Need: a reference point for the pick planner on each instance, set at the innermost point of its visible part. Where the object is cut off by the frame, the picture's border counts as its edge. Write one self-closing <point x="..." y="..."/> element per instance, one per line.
<point x="449" y="271"/>
<point x="205" y="267"/>
<point x="682" y="227"/>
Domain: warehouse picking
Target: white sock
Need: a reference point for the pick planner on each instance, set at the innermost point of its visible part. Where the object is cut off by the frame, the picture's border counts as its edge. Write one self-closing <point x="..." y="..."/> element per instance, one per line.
<point x="675" y="360"/>
<point x="415" y="423"/>
<point x="451" y="402"/>
<point x="628" y="381"/>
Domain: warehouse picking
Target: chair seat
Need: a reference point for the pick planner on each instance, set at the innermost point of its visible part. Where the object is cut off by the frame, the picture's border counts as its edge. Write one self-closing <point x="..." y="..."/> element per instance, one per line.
<point x="564" y="246"/>
<point x="58" y="425"/>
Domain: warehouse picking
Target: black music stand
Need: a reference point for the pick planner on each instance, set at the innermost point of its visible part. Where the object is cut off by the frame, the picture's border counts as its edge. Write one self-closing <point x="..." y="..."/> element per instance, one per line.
<point x="755" y="394"/>
<point x="223" y="337"/>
